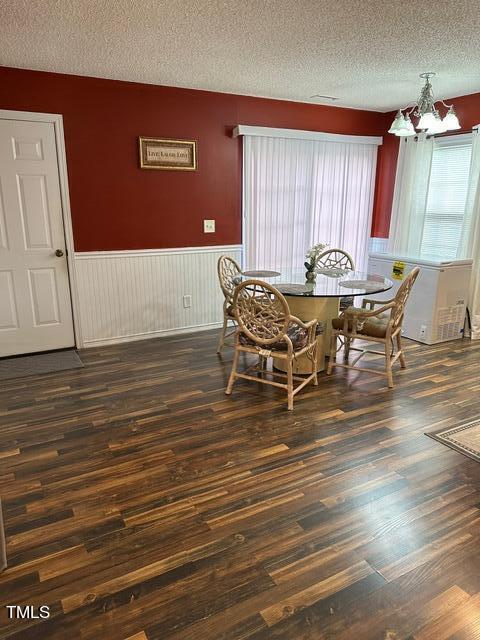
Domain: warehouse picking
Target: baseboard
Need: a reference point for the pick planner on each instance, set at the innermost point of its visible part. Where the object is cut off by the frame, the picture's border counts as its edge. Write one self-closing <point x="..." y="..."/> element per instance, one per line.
<point x="162" y="333"/>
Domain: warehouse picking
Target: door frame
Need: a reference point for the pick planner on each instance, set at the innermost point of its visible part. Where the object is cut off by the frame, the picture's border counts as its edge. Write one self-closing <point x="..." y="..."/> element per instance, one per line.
<point x="57" y="120"/>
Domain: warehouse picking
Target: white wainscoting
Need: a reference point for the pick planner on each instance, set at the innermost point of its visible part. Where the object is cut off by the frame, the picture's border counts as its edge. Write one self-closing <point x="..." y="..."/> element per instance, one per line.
<point x="131" y="295"/>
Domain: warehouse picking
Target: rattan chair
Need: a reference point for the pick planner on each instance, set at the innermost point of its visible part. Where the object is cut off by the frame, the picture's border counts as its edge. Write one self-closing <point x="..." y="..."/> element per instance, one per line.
<point x="335" y="259"/>
<point x="229" y="276"/>
<point x="267" y="329"/>
<point x="382" y="325"/>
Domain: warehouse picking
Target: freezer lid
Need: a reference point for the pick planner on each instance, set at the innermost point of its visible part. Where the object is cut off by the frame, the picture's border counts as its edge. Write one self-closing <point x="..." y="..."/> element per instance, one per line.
<point x="392" y="257"/>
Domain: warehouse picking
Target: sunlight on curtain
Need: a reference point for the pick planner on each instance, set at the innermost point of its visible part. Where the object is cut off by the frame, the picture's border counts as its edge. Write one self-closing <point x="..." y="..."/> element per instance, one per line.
<point x="301" y="192"/>
<point x="410" y="196"/>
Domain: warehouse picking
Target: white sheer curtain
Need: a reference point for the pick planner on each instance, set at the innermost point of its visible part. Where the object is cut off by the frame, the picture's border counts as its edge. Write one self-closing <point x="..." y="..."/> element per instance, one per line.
<point x="301" y="192"/>
<point x="410" y="195"/>
<point x="470" y="239"/>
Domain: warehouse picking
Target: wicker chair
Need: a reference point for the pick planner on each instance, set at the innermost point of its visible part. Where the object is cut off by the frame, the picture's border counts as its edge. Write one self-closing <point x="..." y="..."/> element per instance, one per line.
<point x="337" y="259"/>
<point x="382" y="325"/>
<point x="267" y="329"/>
<point x="228" y="276"/>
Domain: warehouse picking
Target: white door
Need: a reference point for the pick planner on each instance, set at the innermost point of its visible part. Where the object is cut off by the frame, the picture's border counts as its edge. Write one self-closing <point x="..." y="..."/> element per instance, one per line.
<point x="35" y="306"/>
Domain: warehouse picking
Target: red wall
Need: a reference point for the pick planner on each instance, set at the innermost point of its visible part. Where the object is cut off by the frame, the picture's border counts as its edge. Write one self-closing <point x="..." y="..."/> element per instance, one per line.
<point x="116" y="205"/>
<point x="468" y="112"/>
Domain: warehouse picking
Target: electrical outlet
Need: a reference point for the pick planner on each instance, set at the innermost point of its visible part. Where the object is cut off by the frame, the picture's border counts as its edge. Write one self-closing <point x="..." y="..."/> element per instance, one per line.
<point x="423" y="331"/>
<point x="209" y="226"/>
<point x="187" y="301"/>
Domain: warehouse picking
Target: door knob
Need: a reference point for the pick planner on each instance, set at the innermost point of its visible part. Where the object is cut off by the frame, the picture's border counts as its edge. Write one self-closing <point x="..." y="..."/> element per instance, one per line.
<point x="59" y="253"/>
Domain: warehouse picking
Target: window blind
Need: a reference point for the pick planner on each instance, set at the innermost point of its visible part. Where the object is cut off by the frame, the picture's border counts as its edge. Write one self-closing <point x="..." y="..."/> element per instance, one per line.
<point x="447" y="195"/>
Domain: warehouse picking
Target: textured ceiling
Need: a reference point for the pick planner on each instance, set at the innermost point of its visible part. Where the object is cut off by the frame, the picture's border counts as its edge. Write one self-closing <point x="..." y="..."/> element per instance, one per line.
<point x="368" y="54"/>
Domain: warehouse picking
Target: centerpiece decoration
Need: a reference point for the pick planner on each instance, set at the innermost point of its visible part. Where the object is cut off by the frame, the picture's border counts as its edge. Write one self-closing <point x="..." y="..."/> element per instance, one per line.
<point x="312" y="259"/>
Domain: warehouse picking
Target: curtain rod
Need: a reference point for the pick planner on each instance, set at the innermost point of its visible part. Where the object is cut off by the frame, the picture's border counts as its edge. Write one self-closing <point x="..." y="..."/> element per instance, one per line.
<point x="440" y="136"/>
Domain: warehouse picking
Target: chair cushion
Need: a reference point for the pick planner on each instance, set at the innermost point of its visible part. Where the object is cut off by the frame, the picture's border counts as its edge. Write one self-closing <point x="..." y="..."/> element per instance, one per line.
<point x="297" y="334"/>
<point x="375" y="326"/>
<point x="346" y="302"/>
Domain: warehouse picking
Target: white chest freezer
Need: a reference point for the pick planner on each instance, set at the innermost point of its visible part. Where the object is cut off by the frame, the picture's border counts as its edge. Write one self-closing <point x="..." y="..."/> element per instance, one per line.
<point x="436" y="309"/>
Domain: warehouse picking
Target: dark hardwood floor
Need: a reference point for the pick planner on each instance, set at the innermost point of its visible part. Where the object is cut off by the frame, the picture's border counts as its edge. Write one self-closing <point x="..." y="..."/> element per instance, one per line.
<point x="140" y="502"/>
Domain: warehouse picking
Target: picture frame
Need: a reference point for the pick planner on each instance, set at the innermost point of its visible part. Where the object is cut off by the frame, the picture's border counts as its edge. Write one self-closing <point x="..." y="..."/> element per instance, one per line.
<point x="167" y="154"/>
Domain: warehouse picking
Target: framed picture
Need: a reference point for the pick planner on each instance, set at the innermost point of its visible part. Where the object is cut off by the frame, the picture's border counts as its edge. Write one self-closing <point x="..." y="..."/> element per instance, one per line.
<point x="178" y="155"/>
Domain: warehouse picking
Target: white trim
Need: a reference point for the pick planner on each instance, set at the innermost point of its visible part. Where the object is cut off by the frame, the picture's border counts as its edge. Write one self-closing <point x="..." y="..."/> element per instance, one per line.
<point x="100" y="342"/>
<point x="271" y="132"/>
<point x="57" y="121"/>
<point x="29" y="116"/>
<point x="244" y="210"/>
<point x="135" y="253"/>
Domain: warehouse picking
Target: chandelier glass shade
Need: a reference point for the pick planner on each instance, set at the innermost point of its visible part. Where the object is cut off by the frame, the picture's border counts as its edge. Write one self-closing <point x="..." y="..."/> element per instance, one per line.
<point x="429" y="117"/>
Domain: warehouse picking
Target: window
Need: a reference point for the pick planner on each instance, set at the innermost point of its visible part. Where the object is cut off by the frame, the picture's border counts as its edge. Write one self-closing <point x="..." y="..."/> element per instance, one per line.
<point x="447" y="195"/>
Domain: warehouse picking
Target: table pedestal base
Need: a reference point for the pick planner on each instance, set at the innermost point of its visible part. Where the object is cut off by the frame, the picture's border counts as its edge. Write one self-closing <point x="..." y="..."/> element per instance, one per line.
<point x="307" y="308"/>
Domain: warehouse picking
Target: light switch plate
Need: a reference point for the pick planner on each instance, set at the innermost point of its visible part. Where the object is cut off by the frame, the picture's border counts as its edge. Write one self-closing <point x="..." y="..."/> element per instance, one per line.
<point x="209" y="226"/>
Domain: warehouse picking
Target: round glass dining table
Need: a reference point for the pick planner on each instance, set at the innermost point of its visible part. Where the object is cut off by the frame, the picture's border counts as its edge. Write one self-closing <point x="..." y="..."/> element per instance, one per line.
<point x="320" y="299"/>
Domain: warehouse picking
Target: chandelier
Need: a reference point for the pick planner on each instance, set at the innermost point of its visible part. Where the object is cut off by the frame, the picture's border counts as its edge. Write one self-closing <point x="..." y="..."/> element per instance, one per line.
<point x="429" y="116"/>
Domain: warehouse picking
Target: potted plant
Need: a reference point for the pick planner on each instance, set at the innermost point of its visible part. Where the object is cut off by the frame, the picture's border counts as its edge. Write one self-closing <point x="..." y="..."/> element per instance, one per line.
<point x="312" y="258"/>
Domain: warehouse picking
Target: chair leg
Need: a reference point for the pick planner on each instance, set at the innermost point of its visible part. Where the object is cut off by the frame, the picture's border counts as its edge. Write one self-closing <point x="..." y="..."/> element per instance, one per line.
<point x="233" y="372"/>
<point x="401" y="357"/>
<point x="315" y="365"/>
<point x="290" y="383"/>
<point x="346" y="351"/>
<point x="333" y="353"/>
<point x="221" y="340"/>
<point x="388" y="364"/>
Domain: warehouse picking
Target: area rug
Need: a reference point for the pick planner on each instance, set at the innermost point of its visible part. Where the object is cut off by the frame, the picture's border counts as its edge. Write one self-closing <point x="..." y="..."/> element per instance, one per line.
<point x="464" y="438"/>
<point x="23" y="366"/>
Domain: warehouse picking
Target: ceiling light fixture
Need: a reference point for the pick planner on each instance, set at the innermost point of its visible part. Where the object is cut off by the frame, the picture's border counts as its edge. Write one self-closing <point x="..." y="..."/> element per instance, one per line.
<point x="429" y="116"/>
